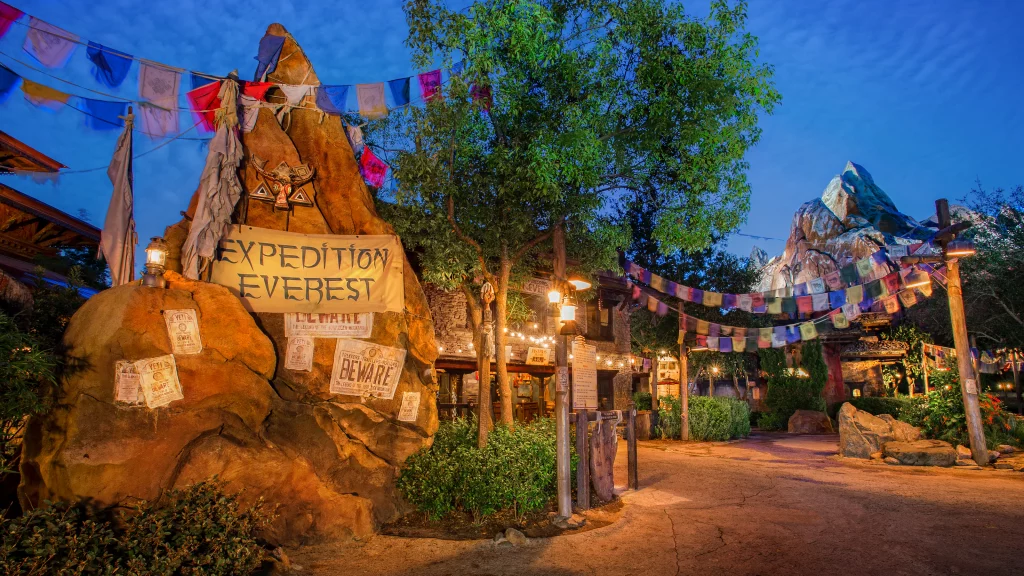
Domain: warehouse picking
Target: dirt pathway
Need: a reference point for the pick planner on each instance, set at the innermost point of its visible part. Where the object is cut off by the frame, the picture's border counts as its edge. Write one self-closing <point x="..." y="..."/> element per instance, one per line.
<point x="771" y="504"/>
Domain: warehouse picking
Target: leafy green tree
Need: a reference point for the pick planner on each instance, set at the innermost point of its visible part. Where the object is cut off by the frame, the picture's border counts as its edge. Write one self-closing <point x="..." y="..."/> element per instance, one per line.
<point x="28" y="371"/>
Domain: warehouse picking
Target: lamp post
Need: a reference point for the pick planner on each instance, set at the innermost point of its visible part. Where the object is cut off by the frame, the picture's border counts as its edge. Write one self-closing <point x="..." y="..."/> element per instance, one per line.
<point x="156" y="259"/>
<point x="952" y="250"/>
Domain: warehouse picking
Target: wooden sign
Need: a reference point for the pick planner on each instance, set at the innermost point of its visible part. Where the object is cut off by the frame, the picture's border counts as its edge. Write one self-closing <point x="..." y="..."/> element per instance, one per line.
<point x="299" y="355"/>
<point x="159" y="378"/>
<point x="365" y="369"/>
<point x="410" y="407"/>
<point x="539" y="356"/>
<point x="584" y="376"/>
<point x="127" y="384"/>
<point x="275" y="271"/>
<point x="328" y="325"/>
<point x="183" y="330"/>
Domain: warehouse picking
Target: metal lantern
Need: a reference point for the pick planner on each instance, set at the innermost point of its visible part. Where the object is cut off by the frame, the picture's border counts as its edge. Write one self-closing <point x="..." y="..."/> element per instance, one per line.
<point x="960" y="249"/>
<point x="917" y="278"/>
<point x="156" y="259"/>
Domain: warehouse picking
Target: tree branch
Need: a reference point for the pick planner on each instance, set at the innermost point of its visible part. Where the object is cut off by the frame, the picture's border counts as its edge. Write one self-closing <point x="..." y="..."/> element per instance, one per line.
<point x="529" y="246"/>
<point x="462" y="236"/>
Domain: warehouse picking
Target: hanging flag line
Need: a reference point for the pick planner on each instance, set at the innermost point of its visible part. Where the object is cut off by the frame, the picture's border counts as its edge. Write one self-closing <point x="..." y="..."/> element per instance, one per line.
<point x="52" y="47"/>
<point x="724" y="338"/>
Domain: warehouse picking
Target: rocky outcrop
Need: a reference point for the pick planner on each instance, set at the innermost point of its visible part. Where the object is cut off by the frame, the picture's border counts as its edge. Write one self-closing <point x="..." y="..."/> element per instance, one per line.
<point x="809" y="422"/>
<point x="327" y="462"/>
<point x="851" y="220"/>
<point x="901" y="431"/>
<point x="921" y="453"/>
<point x="860" y="433"/>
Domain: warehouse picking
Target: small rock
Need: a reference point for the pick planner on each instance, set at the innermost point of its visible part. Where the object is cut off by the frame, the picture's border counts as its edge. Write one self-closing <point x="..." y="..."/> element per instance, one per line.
<point x="993" y="456"/>
<point x="1006" y="449"/>
<point x="963" y="452"/>
<point x="1004" y="466"/>
<point x="560" y="522"/>
<point x="500" y="539"/>
<point x="515" y="537"/>
<point x="891" y="461"/>
<point x="576" y="521"/>
<point x="966" y="462"/>
<point x="876" y="455"/>
<point x="283" y="558"/>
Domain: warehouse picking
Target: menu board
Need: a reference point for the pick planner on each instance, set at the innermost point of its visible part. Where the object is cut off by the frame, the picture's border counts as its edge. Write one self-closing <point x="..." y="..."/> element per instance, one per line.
<point x="183" y="330"/>
<point x="365" y="369"/>
<point x="159" y="378"/>
<point x="584" y="376"/>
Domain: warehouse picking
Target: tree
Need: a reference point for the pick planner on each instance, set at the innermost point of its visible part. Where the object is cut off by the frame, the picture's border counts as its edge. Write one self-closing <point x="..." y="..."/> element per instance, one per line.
<point x="560" y="110"/>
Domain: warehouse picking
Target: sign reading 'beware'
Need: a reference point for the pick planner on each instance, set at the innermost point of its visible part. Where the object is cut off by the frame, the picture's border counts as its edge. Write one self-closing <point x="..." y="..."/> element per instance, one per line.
<point x="274" y="271"/>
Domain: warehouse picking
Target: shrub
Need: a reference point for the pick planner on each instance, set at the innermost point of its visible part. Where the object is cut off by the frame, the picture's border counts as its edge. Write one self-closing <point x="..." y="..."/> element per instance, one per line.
<point x="711" y="418"/>
<point x="28" y="373"/>
<point x="642" y="400"/>
<point x="516" y="470"/>
<point x="199" y="530"/>
<point x="941" y="416"/>
<point x="876" y="405"/>
<point x="789" y="392"/>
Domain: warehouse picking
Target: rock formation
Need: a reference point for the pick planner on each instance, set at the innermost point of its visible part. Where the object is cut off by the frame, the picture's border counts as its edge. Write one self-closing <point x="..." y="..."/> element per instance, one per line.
<point x="861" y="434"/>
<point x="851" y="220"/>
<point x="809" y="422"/>
<point x="327" y="462"/>
<point x="921" y="453"/>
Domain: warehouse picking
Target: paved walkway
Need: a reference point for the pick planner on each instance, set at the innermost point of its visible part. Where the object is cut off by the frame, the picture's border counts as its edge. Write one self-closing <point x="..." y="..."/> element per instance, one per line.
<point x="771" y="504"/>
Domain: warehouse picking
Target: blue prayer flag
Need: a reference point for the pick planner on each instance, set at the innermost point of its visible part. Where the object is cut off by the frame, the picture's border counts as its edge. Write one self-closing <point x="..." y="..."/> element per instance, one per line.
<point x="103" y="114"/>
<point x="792" y="334"/>
<point x="837" y="298"/>
<point x="332" y="99"/>
<point x="8" y="80"/>
<point x="267" y="55"/>
<point x="458" y="67"/>
<point x="399" y="91"/>
<point x="109" y="66"/>
<point x="200" y="81"/>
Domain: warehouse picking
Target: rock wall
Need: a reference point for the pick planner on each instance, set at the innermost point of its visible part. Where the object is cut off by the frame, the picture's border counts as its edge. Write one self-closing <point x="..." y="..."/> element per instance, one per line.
<point x="327" y="462"/>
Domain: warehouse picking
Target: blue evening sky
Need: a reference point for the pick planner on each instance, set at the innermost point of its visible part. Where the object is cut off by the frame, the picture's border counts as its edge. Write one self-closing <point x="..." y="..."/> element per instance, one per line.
<point x="925" y="94"/>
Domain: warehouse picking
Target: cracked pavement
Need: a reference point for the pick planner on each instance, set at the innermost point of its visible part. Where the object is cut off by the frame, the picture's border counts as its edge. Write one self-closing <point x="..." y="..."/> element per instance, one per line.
<point x="770" y="504"/>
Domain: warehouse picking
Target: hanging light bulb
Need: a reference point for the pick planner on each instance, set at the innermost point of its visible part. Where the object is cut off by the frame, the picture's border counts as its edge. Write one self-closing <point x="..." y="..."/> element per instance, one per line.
<point x="917" y="278"/>
<point x="554" y="296"/>
<point x="568" y="311"/>
<point x="579" y="283"/>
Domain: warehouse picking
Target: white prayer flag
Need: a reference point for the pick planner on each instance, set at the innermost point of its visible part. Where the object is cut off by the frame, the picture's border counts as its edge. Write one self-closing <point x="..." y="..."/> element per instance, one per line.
<point x="48" y="44"/>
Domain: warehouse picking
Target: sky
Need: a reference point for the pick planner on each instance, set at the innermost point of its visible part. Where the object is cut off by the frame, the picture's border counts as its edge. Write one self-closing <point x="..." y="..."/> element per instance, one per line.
<point x="926" y="95"/>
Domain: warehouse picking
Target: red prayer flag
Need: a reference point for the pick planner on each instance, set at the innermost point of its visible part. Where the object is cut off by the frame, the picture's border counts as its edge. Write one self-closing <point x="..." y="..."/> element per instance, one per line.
<point x="257" y="90"/>
<point x="204" y="102"/>
<point x="372" y="168"/>
<point x="482" y="94"/>
<point x="430" y="84"/>
<point x="892" y="282"/>
<point x="8" y="14"/>
<point x="805" y="304"/>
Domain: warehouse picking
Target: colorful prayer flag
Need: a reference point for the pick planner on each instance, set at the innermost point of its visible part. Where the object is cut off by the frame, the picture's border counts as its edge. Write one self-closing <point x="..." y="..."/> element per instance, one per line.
<point x="703" y="326"/>
<point x="267" y="55"/>
<point x="8" y="80"/>
<point x="372" y="168"/>
<point x="48" y="44"/>
<point x="109" y="66"/>
<point x="789" y="306"/>
<point x="864" y="268"/>
<point x="819" y="302"/>
<point x="8" y="14"/>
<point x="399" y="91"/>
<point x="891" y="304"/>
<point x="816" y="286"/>
<point x="744" y="302"/>
<point x="662" y="309"/>
<point x="739" y="343"/>
<point x="257" y="90"/>
<point x="712" y="299"/>
<point x="875" y="289"/>
<point x="792" y="334"/>
<point x="756" y="300"/>
<point x="44" y="96"/>
<point x="833" y="280"/>
<point x="855" y="294"/>
<point x="430" y="84"/>
<point x="848" y="274"/>
<point x="892" y="282"/>
<point x="458" y="68"/>
<point x="908" y="298"/>
<point x="371" y="100"/>
<point x="764" y="338"/>
<point x="332" y="99"/>
<point x="728" y="301"/>
<point x="103" y="114"/>
<point x="808" y="331"/>
<point x="836" y="298"/>
<point x="205" y="102"/>
<point x="805" y="304"/>
<point x="652" y="304"/>
<point x="851" y="310"/>
<point x="482" y="93"/>
<point x="773" y="305"/>
<point x="800" y="289"/>
<point x="839" y="320"/>
<point x="713" y="342"/>
<point x="725" y="344"/>
<point x="714" y="330"/>
<point x="779" y="337"/>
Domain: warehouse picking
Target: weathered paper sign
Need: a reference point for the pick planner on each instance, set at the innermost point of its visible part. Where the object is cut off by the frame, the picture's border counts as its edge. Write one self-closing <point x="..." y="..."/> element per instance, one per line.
<point x="365" y="369"/>
<point x="299" y="355"/>
<point x="183" y="330"/>
<point x="159" y="378"/>
<point x="584" y="376"/>
<point x="328" y="325"/>
<point x="410" y="407"/>
<point x="127" y="385"/>
<point x="540" y="356"/>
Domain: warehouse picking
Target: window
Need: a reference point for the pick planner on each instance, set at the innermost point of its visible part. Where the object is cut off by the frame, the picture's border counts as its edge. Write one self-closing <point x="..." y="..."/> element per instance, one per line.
<point x="600" y="320"/>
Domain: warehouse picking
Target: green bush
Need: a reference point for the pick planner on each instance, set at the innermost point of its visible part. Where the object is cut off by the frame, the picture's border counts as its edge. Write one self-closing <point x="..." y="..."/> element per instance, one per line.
<point x="642" y="400"/>
<point x="516" y="470"/>
<point x="199" y="530"/>
<point x="789" y="392"/>
<point x="876" y="405"/>
<point x="711" y="418"/>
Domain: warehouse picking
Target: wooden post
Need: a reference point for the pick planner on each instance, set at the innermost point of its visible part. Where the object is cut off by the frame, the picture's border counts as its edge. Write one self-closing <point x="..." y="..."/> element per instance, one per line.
<point x="583" y="468"/>
<point x="968" y="379"/>
<point x="631" y="473"/>
<point x="1016" y="382"/>
<point x="684" y="393"/>
<point x="924" y="369"/>
<point x="653" y="380"/>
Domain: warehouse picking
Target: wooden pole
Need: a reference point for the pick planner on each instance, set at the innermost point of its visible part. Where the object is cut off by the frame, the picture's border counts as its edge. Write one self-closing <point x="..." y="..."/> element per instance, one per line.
<point x="583" y="467"/>
<point x="562" y="464"/>
<point x="1016" y="382"/>
<point x="968" y="379"/>
<point x="924" y="369"/>
<point x="684" y="392"/>
<point x="631" y="472"/>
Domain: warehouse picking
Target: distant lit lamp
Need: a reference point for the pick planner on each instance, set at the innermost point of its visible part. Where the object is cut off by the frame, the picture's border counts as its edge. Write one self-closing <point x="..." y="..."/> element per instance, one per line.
<point x="714" y="369"/>
<point x="554" y="296"/>
<point x="156" y="259"/>
<point x="917" y="278"/>
<point x="579" y="283"/>
<point x="960" y="249"/>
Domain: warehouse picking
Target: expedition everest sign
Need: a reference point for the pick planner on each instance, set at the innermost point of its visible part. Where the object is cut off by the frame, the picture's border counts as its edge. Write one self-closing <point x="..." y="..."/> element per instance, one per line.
<point x="274" y="271"/>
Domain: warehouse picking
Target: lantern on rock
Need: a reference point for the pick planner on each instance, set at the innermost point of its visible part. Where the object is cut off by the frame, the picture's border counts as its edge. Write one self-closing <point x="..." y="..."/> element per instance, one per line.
<point x="156" y="260"/>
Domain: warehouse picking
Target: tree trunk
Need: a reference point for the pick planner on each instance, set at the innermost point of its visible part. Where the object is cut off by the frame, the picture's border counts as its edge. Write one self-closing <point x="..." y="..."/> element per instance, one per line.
<point x="483" y="406"/>
<point x="736" y="385"/>
<point x="746" y="380"/>
<point x="655" y="405"/>
<point x="711" y="384"/>
<point x="501" y="337"/>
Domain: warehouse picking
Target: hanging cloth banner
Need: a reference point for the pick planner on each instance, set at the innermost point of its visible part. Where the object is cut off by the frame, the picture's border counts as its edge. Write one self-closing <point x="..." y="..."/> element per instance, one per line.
<point x="44" y="96"/>
<point x="371" y="100"/>
<point x="275" y="271"/>
<point x="267" y="55"/>
<point x="48" y="44"/>
<point x="372" y="168"/>
<point x="8" y="80"/>
<point x="103" y="114"/>
<point x="8" y="14"/>
<point x="355" y="138"/>
<point x="158" y="86"/>
<point x="118" y="238"/>
<point x="482" y="95"/>
<point x="109" y="66"/>
<point x="204" y="102"/>
<point x="430" y="84"/>
<point x="332" y="99"/>
<point x="198" y="80"/>
<point x="399" y="91"/>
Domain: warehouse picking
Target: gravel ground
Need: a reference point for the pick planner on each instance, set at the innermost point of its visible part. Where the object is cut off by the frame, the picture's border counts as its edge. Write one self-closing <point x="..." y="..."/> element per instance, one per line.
<point x="771" y="504"/>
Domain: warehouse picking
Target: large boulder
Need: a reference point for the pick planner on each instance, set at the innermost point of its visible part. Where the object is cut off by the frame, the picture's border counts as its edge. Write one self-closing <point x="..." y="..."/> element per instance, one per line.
<point x="327" y="461"/>
<point x="921" y="453"/>
<point x="901" y="431"/>
<point x="809" y="422"/>
<point x="860" y="433"/>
